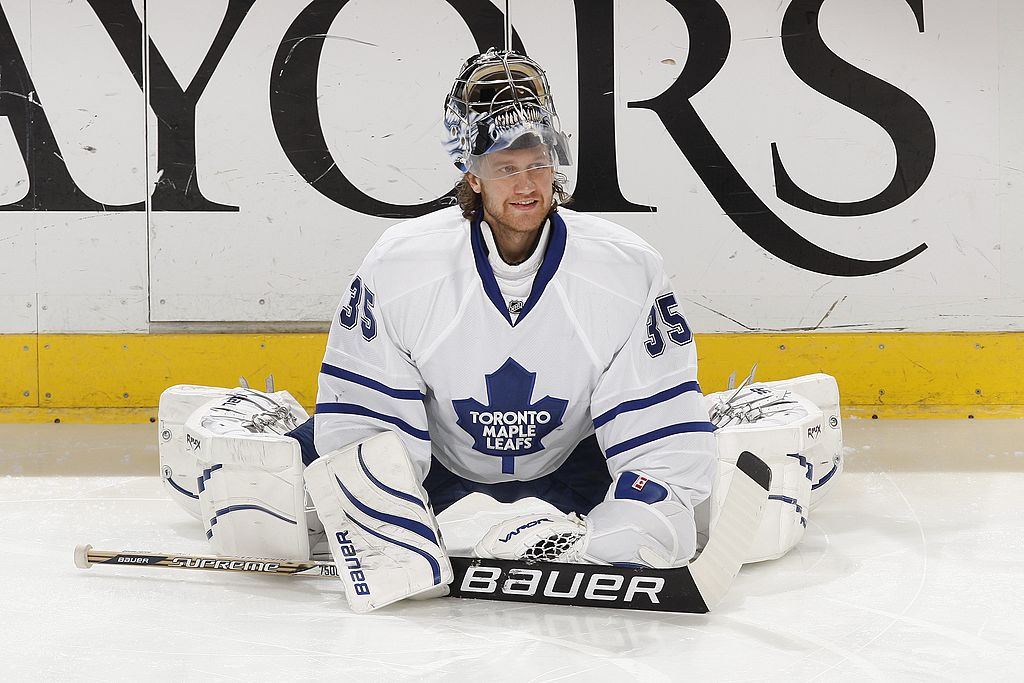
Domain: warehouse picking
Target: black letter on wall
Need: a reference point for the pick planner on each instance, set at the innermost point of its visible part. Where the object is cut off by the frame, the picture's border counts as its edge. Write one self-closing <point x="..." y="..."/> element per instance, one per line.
<point x="709" y="46"/>
<point x="297" y="118"/>
<point x="487" y="24"/>
<point x="597" y="182"/>
<point x="900" y="115"/>
<point x="51" y="187"/>
<point x="296" y="115"/>
<point x="175" y="109"/>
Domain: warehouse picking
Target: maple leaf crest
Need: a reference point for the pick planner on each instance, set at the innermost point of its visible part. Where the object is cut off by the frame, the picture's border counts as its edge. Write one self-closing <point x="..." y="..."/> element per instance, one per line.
<point x="509" y="425"/>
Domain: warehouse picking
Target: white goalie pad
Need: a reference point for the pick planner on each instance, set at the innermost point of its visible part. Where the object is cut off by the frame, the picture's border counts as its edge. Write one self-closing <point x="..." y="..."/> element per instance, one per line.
<point x="798" y="436"/>
<point x="251" y="494"/>
<point x="827" y="458"/>
<point x="179" y="469"/>
<point x="380" y="527"/>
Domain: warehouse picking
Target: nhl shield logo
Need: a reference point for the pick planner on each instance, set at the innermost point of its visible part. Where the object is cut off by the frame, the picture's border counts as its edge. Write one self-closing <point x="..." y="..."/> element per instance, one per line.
<point x="510" y="425"/>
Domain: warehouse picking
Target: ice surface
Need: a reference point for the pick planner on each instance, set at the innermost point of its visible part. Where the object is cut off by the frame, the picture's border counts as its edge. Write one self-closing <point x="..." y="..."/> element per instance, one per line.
<point x="910" y="570"/>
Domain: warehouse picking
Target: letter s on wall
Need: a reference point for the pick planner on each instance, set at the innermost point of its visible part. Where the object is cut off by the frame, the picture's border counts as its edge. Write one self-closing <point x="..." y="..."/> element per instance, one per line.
<point x="904" y="120"/>
<point x="710" y="38"/>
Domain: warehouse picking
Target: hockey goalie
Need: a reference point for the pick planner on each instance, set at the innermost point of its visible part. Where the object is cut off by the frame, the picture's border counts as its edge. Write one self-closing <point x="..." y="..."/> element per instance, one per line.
<point x="233" y="458"/>
<point x="507" y="346"/>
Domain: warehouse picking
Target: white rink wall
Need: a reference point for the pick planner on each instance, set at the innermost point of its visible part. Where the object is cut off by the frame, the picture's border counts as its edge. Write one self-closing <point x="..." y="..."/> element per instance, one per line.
<point x="240" y="169"/>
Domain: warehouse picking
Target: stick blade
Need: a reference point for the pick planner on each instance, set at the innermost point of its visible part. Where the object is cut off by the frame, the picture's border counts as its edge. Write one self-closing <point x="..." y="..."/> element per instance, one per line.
<point x="755" y="468"/>
<point x="717" y="566"/>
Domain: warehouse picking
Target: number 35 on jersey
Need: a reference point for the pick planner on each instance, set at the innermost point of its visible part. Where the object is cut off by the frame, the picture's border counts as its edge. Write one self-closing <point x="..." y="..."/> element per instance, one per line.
<point x="671" y="320"/>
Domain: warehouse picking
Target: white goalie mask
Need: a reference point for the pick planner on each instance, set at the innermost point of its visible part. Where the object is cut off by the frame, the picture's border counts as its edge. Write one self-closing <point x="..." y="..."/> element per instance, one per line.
<point x="501" y="100"/>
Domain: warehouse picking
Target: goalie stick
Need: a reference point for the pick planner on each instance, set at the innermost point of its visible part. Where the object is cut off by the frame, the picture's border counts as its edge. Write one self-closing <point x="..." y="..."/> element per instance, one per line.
<point x="695" y="588"/>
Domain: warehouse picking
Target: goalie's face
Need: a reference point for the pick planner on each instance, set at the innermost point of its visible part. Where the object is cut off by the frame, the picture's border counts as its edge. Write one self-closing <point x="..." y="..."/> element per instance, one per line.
<point x="516" y="187"/>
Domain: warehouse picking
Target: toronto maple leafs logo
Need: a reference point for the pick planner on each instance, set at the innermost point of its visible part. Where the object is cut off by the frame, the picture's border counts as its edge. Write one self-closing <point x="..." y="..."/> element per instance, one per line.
<point x="509" y="426"/>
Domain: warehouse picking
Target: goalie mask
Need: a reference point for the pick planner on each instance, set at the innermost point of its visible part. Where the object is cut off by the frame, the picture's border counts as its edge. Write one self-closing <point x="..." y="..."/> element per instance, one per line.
<point x="501" y="100"/>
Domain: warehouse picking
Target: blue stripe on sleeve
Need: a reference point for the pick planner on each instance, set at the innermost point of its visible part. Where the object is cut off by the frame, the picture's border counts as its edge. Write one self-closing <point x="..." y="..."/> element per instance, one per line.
<point x="681" y="428"/>
<point x="435" y="567"/>
<point x="641" y="403"/>
<point x="349" y="376"/>
<point x="418" y="528"/>
<point x="353" y="409"/>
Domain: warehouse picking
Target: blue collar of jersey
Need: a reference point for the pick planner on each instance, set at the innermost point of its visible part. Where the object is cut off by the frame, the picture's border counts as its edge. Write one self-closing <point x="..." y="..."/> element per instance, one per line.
<point x="547" y="270"/>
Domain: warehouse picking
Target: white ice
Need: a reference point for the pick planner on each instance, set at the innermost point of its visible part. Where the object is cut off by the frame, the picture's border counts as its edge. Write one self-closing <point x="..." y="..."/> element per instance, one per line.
<point x="911" y="570"/>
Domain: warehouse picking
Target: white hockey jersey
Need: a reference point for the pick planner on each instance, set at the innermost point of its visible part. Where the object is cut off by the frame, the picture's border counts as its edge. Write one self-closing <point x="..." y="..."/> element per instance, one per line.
<point x="424" y="344"/>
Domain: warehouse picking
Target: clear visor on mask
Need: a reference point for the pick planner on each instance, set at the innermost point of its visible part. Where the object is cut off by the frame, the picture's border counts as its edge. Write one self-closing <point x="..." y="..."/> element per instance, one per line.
<point x="534" y="150"/>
